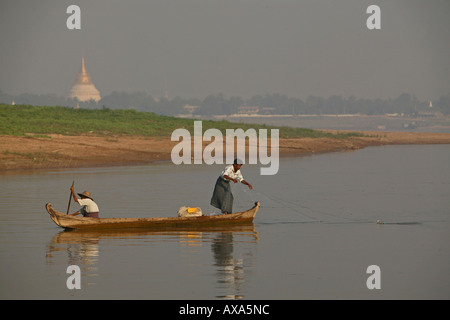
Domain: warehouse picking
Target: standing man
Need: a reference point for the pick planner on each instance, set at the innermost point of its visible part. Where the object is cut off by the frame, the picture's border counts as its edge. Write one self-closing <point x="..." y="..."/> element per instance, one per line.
<point x="222" y="197"/>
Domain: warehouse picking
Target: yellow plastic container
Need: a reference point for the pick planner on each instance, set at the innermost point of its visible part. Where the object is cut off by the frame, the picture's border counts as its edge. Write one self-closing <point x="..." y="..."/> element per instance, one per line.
<point x="193" y="210"/>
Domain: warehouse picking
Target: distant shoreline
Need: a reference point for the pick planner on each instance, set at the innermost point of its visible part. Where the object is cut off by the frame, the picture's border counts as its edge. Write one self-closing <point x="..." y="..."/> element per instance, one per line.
<point x="55" y="151"/>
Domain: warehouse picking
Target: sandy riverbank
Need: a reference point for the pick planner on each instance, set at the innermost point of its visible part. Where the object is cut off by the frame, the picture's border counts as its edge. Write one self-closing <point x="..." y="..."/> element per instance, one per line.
<point x="59" y="151"/>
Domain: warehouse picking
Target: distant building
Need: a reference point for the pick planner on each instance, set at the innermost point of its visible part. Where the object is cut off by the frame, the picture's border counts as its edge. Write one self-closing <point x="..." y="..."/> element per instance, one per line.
<point x="248" y="110"/>
<point x="268" y="110"/>
<point x="190" y="109"/>
<point x="429" y="112"/>
<point x="84" y="89"/>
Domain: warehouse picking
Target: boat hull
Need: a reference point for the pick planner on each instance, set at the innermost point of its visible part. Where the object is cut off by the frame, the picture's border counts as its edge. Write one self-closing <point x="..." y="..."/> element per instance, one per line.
<point x="86" y="223"/>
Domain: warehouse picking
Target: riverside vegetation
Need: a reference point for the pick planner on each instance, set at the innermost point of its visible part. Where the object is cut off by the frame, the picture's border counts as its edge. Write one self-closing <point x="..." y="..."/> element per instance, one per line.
<point x="35" y="137"/>
<point x="20" y="120"/>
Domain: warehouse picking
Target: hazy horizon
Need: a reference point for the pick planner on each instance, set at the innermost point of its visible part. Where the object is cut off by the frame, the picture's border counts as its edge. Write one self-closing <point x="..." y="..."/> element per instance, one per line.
<point x="235" y="47"/>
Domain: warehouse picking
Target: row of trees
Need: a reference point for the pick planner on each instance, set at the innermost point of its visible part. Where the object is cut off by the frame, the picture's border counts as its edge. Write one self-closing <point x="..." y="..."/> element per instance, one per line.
<point x="219" y="104"/>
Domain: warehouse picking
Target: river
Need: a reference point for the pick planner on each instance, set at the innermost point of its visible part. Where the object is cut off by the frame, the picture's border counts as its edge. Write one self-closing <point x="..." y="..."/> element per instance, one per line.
<point x="314" y="237"/>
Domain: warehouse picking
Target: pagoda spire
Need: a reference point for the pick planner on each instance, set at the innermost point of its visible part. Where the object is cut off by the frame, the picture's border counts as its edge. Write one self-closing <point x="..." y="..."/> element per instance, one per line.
<point x="83" y="67"/>
<point x="83" y="76"/>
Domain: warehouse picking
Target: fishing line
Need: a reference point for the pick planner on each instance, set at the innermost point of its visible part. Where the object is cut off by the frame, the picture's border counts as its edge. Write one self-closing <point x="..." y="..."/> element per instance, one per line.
<point x="285" y="204"/>
<point x="292" y="206"/>
<point x="251" y="193"/>
<point x="328" y="214"/>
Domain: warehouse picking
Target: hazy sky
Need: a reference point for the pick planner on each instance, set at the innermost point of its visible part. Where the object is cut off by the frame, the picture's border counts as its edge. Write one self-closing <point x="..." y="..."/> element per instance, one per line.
<point x="235" y="47"/>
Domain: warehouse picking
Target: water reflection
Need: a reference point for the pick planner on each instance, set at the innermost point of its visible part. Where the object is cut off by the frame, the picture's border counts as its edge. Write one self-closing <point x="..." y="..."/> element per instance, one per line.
<point x="77" y="248"/>
<point x="230" y="270"/>
<point x="232" y="249"/>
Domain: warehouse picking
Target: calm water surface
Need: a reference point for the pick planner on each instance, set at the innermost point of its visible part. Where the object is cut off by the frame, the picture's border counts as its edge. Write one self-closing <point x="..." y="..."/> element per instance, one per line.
<point x="313" y="238"/>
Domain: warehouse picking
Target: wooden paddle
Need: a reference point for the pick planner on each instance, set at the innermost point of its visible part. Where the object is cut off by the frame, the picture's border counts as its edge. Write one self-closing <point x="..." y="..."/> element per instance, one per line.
<point x="70" y="197"/>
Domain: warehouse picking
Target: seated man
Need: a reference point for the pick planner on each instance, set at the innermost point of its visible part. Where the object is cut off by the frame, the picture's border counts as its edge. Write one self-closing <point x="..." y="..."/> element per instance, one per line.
<point x="89" y="209"/>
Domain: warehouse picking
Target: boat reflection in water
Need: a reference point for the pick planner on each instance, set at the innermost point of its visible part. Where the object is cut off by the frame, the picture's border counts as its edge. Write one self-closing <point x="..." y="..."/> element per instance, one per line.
<point x="232" y="248"/>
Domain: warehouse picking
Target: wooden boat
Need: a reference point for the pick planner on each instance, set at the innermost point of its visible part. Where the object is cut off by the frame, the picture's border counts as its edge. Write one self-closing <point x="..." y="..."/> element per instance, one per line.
<point x="85" y="223"/>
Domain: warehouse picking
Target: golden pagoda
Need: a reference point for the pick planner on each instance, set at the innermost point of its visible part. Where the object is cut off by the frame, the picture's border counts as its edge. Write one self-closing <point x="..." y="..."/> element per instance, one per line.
<point x="84" y="89"/>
